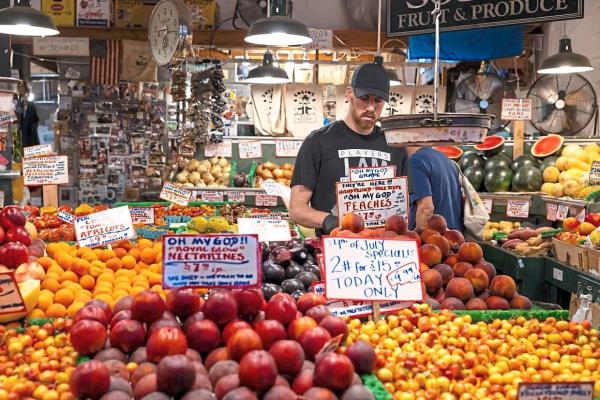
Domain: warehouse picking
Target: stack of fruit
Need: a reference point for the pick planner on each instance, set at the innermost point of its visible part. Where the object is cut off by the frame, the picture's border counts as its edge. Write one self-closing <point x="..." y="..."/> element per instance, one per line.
<point x="49" y="227"/>
<point x="426" y="355"/>
<point x="214" y="172"/>
<point x="271" y="171"/>
<point x="576" y="232"/>
<point x="251" y="349"/>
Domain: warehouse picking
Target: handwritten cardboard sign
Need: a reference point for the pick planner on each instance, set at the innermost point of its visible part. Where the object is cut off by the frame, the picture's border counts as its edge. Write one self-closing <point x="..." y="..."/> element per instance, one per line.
<point x="595" y="172"/>
<point x="581" y="216"/>
<point x="65" y="216"/>
<point x="556" y="391"/>
<point x="47" y="170"/>
<point x="372" y="173"/>
<point x="142" y="215"/>
<point x="223" y="149"/>
<point x="516" y="109"/>
<point x="11" y="300"/>
<point x="487" y="204"/>
<point x="210" y="195"/>
<point x="211" y="261"/>
<point x="174" y="194"/>
<point x="517" y="208"/>
<point x="265" y="200"/>
<point x="374" y="200"/>
<point x="104" y="227"/>
<point x="37" y="151"/>
<point x="371" y="269"/>
<point x="268" y="229"/>
<point x="321" y="39"/>
<point x="562" y="212"/>
<point x="236" y="196"/>
<point x="250" y="149"/>
<point x="287" y="148"/>
<point x="551" y="209"/>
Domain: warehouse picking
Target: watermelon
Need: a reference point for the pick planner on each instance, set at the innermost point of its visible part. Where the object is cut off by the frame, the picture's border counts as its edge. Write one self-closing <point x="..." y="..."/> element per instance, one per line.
<point x="475" y="175"/>
<point x="491" y="145"/>
<point x="524" y="160"/>
<point x="498" y="179"/>
<point x="547" y="146"/>
<point x="527" y="179"/>
<point x="497" y="161"/>
<point x="548" y="162"/>
<point x="452" y="152"/>
<point x="470" y="160"/>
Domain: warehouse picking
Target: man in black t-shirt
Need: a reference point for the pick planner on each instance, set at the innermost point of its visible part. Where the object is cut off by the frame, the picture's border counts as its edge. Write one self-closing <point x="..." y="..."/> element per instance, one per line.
<point x="327" y="154"/>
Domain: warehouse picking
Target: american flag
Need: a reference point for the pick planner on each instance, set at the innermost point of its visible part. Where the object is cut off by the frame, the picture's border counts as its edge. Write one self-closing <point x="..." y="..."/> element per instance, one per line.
<point x="104" y="60"/>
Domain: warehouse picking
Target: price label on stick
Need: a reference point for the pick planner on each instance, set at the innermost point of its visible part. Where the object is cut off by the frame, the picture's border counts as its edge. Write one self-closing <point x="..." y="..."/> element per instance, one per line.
<point x="142" y="215"/>
<point x="174" y="194"/>
<point x="211" y="261"/>
<point x="594" y="176"/>
<point x="516" y="109"/>
<point x="250" y="149"/>
<point x="287" y="148"/>
<point x="551" y="209"/>
<point x="211" y="196"/>
<point x="47" y="170"/>
<point x="372" y="269"/>
<point x="223" y="149"/>
<point x="556" y="391"/>
<point x="236" y="196"/>
<point x="267" y="229"/>
<point x="487" y="204"/>
<point x="104" y="227"/>
<point x="11" y="300"/>
<point x="37" y="151"/>
<point x="562" y="212"/>
<point x="65" y="216"/>
<point x="265" y="200"/>
<point x="517" y="208"/>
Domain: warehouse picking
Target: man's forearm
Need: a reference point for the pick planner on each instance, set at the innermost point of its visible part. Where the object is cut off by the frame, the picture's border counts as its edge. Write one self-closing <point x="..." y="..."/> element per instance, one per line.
<point x="422" y="215"/>
<point x="307" y="216"/>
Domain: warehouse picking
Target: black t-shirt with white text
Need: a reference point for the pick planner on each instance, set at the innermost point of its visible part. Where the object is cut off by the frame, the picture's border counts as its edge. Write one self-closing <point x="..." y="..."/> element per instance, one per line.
<point x="327" y="154"/>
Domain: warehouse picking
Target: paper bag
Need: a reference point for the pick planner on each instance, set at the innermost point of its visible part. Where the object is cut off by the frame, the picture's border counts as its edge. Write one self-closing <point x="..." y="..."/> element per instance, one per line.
<point x="268" y="111"/>
<point x="303" y="109"/>
<point x="423" y="100"/>
<point x="400" y="102"/>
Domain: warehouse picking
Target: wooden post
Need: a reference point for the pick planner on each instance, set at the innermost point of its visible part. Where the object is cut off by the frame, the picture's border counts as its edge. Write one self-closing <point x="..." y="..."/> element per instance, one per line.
<point x="50" y="195"/>
<point x="376" y="311"/>
<point x="518" y="134"/>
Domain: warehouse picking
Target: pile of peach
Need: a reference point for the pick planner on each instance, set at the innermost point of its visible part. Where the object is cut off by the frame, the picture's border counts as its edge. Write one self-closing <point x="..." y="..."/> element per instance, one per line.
<point x="426" y="355"/>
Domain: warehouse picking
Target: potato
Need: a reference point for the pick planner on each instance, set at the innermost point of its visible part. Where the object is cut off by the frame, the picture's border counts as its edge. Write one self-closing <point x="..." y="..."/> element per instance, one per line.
<point x="287" y="174"/>
<point x="194" y="177"/>
<point x="223" y="162"/>
<point x="192" y="165"/>
<point x="182" y="177"/>
<point x="266" y="174"/>
<point x="277" y="173"/>
<point x="207" y="177"/>
<point x="202" y="168"/>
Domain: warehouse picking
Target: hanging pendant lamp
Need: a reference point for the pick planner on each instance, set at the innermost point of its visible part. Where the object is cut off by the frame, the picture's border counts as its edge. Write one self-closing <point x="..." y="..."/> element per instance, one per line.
<point x="278" y="29"/>
<point x="267" y="73"/>
<point x="565" y="61"/>
<point x="26" y="21"/>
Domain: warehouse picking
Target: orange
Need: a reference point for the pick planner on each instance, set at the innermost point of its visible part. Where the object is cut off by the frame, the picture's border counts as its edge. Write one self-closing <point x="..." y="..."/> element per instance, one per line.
<point x="114" y="263"/>
<point x="144" y="243"/>
<point x="135" y="290"/>
<point x="128" y="262"/>
<point x="90" y="256"/>
<point x="83" y="251"/>
<point x="158" y="257"/>
<point x="102" y="284"/>
<point x="117" y="294"/>
<point x="157" y="288"/>
<point x="107" y="298"/>
<point x="45" y="262"/>
<point x="135" y="253"/>
<point x="81" y="267"/>
<point x="73" y="308"/>
<point x="36" y="313"/>
<point x="148" y="255"/>
<point x="68" y="276"/>
<point x="87" y="282"/>
<point x="95" y="271"/>
<point x="51" y="284"/>
<point x="56" y="311"/>
<point x="65" y="260"/>
<point x="123" y="244"/>
<point x="155" y="279"/>
<point x="55" y="269"/>
<point x="106" y="275"/>
<point x="52" y="248"/>
<point x="119" y="252"/>
<point x="64" y="297"/>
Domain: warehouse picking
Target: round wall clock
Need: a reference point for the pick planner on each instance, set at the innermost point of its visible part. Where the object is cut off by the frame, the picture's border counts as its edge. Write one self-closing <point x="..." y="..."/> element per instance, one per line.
<point x="170" y="32"/>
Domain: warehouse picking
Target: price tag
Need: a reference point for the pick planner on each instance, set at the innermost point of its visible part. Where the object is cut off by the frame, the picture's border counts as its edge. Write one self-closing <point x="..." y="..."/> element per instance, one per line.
<point x="321" y="39"/>
<point x="556" y="391"/>
<point x="211" y="261"/>
<point x="331" y="346"/>
<point x="562" y="212"/>
<point x="374" y="200"/>
<point x="267" y="229"/>
<point x="371" y="269"/>
<point x="65" y="216"/>
<point x="517" y="208"/>
<point x="287" y="148"/>
<point x="211" y="196"/>
<point x="104" y="227"/>
<point x="223" y="149"/>
<point x="265" y="200"/>
<point x="557" y="274"/>
<point x="46" y="170"/>
<point x="551" y="209"/>
<point x="487" y="204"/>
<point x="11" y="300"/>
<point x="371" y="173"/>
<point x="174" y="194"/>
<point x="250" y="149"/>
<point x="236" y="196"/>
<point x="272" y="188"/>
<point x="1" y="198"/>
<point x="37" y="151"/>
<point x="142" y="215"/>
<point x="595" y="172"/>
<point x="581" y="216"/>
<point x="516" y="109"/>
<point x="6" y="118"/>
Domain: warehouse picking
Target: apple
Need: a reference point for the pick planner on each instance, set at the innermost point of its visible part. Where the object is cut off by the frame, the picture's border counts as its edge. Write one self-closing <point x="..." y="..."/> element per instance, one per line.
<point x="14" y="254"/>
<point x="11" y="216"/>
<point x="18" y="234"/>
<point x="281" y="308"/>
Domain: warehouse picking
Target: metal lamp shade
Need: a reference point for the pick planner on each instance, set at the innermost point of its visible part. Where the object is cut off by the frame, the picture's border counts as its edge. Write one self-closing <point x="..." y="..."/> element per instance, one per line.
<point x="394" y="80"/>
<point x="267" y="73"/>
<point x="565" y="61"/>
<point x="278" y="30"/>
<point x="26" y="21"/>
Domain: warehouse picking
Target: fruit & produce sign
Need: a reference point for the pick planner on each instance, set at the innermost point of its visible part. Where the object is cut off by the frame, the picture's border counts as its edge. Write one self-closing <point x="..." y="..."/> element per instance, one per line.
<point x="37" y="151"/>
<point x="270" y="229"/>
<point x="541" y="391"/>
<point x="104" y="227"/>
<point x="287" y="148"/>
<point x="374" y="200"/>
<point x="142" y="215"/>
<point x="50" y="170"/>
<point x="10" y="296"/>
<point x="211" y="261"/>
<point x="371" y="269"/>
<point x="174" y="194"/>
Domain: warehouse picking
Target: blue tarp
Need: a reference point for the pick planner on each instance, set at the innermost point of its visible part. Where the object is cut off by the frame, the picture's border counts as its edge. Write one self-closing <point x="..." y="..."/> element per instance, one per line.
<point x="469" y="45"/>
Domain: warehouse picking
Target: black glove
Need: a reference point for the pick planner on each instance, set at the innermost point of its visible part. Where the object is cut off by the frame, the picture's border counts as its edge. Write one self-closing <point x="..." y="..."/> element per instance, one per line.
<point x="329" y="223"/>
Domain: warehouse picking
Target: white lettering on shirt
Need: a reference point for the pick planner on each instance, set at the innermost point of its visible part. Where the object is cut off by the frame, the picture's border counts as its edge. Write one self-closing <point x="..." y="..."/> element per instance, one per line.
<point x="363" y="155"/>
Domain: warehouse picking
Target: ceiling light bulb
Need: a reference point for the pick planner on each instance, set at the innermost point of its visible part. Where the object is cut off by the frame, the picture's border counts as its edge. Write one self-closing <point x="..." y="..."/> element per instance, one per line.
<point x="26" y="21"/>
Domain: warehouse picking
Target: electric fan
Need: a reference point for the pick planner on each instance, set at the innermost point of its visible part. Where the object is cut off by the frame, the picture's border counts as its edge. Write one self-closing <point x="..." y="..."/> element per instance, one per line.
<point x="482" y="93"/>
<point x="562" y="104"/>
<point x="251" y="11"/>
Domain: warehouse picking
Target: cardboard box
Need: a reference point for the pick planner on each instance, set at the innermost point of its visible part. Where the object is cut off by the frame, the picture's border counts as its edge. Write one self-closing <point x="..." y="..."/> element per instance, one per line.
<point x="62" y="12"/>
<point x="593" y="262"/>
<point x="204" y="13"/>
<point x="570" y="254"/>
<point x="129" y="13"/>
<point x="94" y="13"/>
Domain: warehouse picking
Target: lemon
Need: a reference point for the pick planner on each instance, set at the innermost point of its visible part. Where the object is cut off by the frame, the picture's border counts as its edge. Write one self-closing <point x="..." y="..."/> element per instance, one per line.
<point x="551" y="174"/>
<point x="547" y="187"/>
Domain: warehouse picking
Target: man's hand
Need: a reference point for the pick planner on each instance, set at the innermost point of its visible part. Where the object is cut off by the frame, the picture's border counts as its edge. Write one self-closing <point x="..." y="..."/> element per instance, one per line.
<point x="330" y="223"/>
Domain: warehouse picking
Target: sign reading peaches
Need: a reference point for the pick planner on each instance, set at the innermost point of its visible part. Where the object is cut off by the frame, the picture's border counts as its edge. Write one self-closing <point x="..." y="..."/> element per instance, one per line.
<point x="374" y="200"/>
<point x="371" y="269"/>
<point x="211" y="261"/>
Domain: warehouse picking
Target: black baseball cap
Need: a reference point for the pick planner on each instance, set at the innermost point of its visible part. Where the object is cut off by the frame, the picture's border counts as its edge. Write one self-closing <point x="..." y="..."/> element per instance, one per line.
<point x="371" y="79"/>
